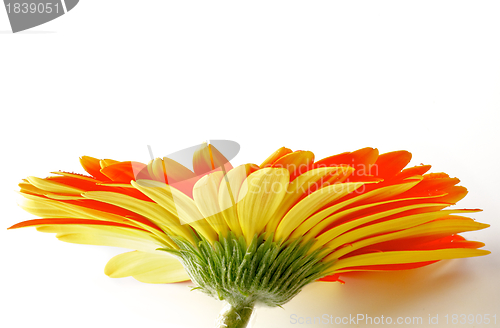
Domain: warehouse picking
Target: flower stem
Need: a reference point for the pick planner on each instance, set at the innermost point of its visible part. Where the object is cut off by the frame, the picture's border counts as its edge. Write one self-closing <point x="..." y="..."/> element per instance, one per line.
<point x="234" y="316"/>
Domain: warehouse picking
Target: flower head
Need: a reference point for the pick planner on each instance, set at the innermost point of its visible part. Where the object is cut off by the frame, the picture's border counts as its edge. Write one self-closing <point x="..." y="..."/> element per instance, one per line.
<point x="256" y="233"/>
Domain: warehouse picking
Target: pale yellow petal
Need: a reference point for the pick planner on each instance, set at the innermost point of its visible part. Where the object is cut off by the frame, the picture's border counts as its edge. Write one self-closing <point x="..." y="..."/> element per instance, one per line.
<point x="28" y="187"/>
<point x="53" y="186"/>
<point x="178" y="204"/>
<point x="104" y="236"/>
<point x="205" y="195"/>
<point x="207" y="158"/>
<point x="157" y="169"/>
<point x="228" y="196"/>
<point x="49" y="208"/>
<point x="177" y="171"/>
<point x="152" y="211"/>
<point x="155" y="268"/>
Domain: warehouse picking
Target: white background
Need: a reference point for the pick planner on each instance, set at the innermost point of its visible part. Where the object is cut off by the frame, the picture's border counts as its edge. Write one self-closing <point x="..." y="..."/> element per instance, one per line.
<point x="111" y="77"/>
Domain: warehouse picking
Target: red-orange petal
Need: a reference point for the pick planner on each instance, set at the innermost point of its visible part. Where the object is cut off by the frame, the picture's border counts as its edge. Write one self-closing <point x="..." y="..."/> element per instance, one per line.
<point x="412" y="171"/>
<point x="36" y="222"/>
<point x="391" y="267"/>
<point x="390" y="164"/>
<point x="363" y="156"/>
<point x="332" y="278"/>
<point x="123" y="171"/>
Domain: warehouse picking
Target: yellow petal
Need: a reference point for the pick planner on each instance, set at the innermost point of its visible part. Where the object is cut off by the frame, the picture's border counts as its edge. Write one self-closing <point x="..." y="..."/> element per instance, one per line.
<point x="400" y="223"/>
<point x="329" y="235"/>
<point x="316" y="223"/>
<point x="310" y="204"/>
<point x="77" y="176"/>
<point x="205" y="194"/>
<point x="296" y="163"/>
<point x="259" y="198"/>
<point x="28" y="187"/>
<point x="63" y="197"/>
<point x="152" y="211"/>
<point x="445" y="227"/>
<point x="116" y="184"/>
<point x="398" y="257"/>
<point x="229" y="192"/>
<point x="154" y="268"/>
<point x="300" y="186"/>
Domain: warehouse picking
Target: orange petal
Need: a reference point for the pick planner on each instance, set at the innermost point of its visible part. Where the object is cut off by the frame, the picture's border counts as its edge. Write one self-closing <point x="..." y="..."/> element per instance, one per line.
<point x="92" y="166"/>
<point x="275" y="156"/>
<point x="107" y="162"/>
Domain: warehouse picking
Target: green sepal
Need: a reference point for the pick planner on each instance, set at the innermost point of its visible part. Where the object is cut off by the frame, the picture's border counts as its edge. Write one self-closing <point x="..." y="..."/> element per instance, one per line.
<point x="264" y="272"/>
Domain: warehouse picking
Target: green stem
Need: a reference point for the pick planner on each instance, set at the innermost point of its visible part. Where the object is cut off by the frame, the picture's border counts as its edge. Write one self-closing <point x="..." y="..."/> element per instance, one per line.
<point x="234" y="316"/>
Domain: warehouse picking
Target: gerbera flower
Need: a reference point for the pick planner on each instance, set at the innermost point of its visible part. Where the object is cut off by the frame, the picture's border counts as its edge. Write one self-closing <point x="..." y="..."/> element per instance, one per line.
<point x="256" y="234"/>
